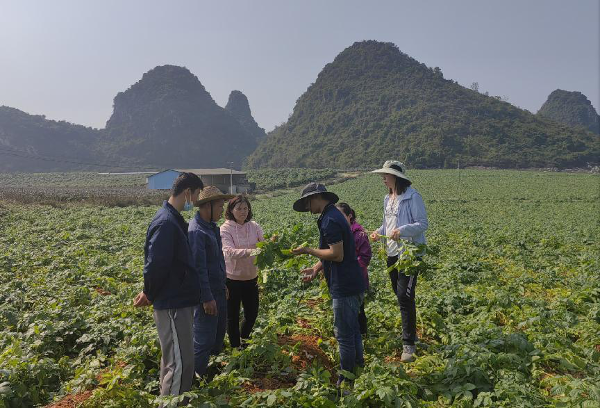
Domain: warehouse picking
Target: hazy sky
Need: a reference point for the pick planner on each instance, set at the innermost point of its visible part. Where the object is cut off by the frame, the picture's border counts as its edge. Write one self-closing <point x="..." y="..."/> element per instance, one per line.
<point x="67" y="59"/>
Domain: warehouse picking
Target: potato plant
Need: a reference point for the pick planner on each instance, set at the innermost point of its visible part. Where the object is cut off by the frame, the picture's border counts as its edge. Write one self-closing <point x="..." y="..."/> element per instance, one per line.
<point x="508" y="306"/>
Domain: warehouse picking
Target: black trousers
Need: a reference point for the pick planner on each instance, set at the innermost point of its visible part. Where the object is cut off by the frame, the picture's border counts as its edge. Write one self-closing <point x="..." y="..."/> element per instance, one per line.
<point x="404" y="288"/>
<point x="246" y="293"/>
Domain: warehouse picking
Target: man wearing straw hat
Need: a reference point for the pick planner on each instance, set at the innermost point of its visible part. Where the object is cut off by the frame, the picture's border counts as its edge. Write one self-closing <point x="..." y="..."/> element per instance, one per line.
<point x="337" y="260"/>
<point x="207" y="253"/>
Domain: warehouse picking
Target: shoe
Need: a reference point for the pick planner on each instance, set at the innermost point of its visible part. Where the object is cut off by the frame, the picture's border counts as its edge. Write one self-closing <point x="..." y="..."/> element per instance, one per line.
<point x="342" y="388"/>
<point x="408" y="354"/>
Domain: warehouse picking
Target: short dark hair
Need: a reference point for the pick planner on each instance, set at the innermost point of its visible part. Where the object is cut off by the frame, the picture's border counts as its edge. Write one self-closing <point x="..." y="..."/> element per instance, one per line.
<point x="401" y="185"/>
<point x="345" y="208"/>
<point x="185" y="181"/>
<point x="238" y="199"/>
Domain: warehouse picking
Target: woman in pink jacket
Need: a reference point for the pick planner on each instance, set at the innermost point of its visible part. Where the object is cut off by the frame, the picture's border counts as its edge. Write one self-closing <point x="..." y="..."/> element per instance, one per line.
<point x="363" y="255"/>
<point x="240" y="235"/>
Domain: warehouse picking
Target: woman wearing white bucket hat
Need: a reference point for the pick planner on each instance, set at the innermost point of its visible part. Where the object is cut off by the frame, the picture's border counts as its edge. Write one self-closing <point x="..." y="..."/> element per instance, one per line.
<point x="404" y="217"/>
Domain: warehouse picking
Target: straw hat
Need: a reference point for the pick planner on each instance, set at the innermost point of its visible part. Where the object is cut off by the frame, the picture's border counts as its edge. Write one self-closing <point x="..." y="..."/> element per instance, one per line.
<point x="211" y="193"/>
<point x="394" y="168"/>
<point x="312" y="189"/>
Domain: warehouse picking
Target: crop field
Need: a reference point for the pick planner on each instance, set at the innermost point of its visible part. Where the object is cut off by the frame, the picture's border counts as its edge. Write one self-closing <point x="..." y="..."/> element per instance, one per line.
<point x="122" y="190"/>
<point x="508" y="309"/>
<point x="57" y="189"/>
<point x="270" y="179"/>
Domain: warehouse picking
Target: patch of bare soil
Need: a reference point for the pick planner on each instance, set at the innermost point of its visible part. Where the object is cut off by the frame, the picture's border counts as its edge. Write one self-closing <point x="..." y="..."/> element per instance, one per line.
<point x="267" y="383"/>
<point x="308" y="351"/>
<point x="71" y="401"/>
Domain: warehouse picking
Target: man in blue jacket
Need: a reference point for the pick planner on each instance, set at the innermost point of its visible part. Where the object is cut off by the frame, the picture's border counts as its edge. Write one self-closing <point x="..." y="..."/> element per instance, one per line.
<point x="337" y="260"/>
<point x="210" y="317"/>
<point x="172" y="285"/>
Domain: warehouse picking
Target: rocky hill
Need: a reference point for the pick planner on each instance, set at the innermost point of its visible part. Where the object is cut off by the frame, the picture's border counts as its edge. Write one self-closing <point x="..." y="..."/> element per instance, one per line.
<point x="168" y="119"/>
<point x="239" y="107"/>
<point x="571" y="108"/>
<point x="374" y="102"/>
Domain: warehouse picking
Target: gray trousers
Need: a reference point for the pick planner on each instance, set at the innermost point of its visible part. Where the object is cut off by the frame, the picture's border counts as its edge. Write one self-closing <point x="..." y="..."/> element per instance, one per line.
<point x="177" y="347"/>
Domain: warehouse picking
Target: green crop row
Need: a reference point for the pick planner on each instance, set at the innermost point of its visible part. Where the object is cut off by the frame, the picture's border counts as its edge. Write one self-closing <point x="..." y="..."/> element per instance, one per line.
<point x="508" y="310"/>
<point x="272" y="179"/>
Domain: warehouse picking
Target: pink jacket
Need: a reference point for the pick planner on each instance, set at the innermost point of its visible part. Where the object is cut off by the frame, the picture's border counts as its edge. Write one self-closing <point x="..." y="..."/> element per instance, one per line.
<point x="238" y="241"/>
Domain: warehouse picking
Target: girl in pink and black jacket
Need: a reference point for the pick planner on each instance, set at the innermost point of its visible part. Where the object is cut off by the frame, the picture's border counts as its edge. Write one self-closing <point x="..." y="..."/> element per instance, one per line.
<point x="363" y="254"/>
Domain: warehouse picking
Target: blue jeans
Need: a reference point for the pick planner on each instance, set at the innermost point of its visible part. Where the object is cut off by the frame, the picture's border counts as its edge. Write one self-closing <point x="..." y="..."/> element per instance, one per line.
<point x="347" y="332"/>
<point x="209" y="332"/>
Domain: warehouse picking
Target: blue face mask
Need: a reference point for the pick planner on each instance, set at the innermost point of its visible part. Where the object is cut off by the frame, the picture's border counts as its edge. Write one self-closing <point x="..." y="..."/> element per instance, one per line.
<point x="188" y="206"/>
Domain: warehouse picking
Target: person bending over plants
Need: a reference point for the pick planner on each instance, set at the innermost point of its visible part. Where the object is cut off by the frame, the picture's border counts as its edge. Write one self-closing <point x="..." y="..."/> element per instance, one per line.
<point x="337" y="260"/>
<point x="404" y="217"/>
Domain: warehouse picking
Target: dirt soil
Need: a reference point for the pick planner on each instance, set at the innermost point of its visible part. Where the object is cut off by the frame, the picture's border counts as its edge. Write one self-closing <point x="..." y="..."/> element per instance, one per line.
<point x="309" y="350"/>
<point x="71" y="401"/>
<point x="264" y="384"/>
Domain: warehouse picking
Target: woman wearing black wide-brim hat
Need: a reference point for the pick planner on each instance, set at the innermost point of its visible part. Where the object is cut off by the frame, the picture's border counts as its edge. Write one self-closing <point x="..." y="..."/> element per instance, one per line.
<point x="404" y="217"/>
<point x="337" y="260"/>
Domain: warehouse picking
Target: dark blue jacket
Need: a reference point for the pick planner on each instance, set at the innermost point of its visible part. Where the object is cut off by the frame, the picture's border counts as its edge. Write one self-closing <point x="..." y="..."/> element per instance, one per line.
<point x="207" y="255"/>
<point x="170" y="279"/>
<point x="343" y="278"/>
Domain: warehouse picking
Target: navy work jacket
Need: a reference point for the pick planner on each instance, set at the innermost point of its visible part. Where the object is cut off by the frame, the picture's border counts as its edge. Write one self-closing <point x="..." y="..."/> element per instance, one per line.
<point x="343" y="278"/>
<point x="207" y="255"/>
<point x="170" y="279"/>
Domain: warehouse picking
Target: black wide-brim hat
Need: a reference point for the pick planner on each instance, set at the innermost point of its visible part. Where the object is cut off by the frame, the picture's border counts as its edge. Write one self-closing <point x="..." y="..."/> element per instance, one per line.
<point x="312" y="189"/>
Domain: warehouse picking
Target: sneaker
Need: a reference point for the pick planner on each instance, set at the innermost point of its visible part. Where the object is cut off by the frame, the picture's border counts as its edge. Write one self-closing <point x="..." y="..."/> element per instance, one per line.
<point x="408" y="354"/>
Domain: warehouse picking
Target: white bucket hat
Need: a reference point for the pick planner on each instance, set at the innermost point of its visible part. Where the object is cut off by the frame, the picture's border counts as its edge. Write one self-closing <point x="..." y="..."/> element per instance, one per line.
<point x="394" y="168"/>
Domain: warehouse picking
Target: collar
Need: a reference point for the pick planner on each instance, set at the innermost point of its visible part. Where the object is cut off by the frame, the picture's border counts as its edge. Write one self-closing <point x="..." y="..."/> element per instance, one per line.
<point x="325" y="210"/>
<point x="235" y="223"/>
<point x="405" y="196"/>
<point x="355" y="226"/>
<point x="200" y="220"/>
<point x="408" y="193"/>
<point x="173" y="211"/>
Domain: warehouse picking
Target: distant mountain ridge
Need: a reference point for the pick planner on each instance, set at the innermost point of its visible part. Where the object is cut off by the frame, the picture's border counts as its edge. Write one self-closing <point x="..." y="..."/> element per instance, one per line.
<point x="62" y="146"/>
<point x="374" y="102"/>
<point x="371" y="103"/>
<point x="571" y="108"/>
<point x="166" y="119"/>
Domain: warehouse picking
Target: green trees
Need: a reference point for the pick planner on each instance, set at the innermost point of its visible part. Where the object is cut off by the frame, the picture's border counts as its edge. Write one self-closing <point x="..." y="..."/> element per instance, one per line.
<point x="571" y="108"/>
<point x="374" y="102"/>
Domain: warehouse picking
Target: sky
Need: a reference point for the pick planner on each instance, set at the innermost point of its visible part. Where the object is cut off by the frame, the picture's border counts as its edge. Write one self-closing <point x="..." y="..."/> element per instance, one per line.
<point x="67" y="59"/>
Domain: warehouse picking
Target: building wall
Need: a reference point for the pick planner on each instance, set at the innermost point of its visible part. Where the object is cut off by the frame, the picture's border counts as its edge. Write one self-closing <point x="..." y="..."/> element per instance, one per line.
<point x="162" y="181"/>
<point x="223" y="182"/>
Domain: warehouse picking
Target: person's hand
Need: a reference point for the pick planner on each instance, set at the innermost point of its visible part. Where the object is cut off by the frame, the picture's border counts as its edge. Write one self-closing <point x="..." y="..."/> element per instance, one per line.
<point x="301" y="251"/>
<point x="210" y="307"/>
<point x="374" y="236"/>
<point x="141" y="300"/>
<point x="309" y="274"/>
<point x="395" y="235"/>
<point x="255" y="251"/>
